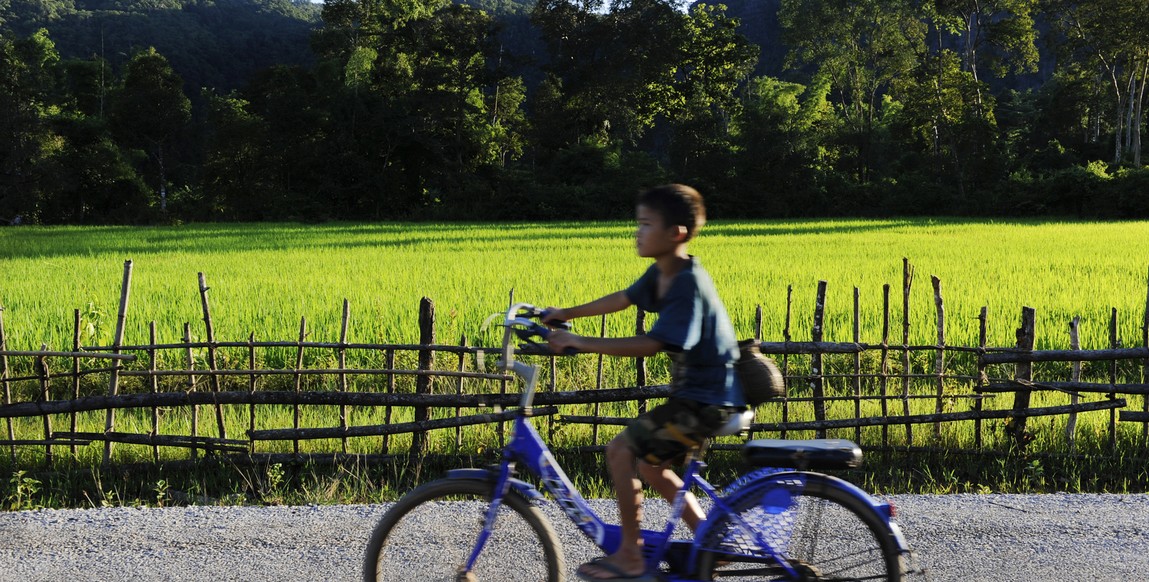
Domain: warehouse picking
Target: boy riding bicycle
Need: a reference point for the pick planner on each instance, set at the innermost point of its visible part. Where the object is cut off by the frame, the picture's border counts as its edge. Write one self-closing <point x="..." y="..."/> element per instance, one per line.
<point x="694" y="328"/>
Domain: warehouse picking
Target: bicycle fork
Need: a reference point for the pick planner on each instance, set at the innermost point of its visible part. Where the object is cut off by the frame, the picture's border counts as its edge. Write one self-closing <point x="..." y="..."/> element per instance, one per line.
<point x="502" y="485"/>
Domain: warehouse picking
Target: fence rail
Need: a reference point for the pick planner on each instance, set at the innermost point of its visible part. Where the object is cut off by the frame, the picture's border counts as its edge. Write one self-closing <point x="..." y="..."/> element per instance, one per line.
<point x="421" y="390"/>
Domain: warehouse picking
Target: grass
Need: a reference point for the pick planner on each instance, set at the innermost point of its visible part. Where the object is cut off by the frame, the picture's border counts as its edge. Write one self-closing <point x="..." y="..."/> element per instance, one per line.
<point x="212" y="482"/>
<point x="264" y="278"/>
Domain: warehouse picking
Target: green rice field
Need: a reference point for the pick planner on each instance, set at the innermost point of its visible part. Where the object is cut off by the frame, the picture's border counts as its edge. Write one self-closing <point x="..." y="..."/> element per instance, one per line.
<point x="265" y="277"/>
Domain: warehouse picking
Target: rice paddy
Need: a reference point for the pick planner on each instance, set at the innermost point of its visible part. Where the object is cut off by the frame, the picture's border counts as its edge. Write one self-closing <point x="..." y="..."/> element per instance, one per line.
<point x="264" y="278"/>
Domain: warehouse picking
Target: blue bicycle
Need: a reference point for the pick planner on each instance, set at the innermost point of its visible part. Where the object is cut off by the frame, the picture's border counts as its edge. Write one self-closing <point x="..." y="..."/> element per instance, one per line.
<point x="779" y="522"/>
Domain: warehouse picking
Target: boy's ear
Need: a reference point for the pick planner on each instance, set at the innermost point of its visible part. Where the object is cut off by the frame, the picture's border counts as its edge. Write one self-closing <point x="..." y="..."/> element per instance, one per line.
<point x="680" y="233"/>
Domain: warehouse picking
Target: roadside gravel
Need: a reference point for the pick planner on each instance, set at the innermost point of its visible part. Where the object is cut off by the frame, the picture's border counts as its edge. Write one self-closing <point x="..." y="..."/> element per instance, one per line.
<point x="958" y="537"/>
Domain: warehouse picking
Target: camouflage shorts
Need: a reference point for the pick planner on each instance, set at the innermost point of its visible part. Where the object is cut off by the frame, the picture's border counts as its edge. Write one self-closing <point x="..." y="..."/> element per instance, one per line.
<point x="667" y="431"/>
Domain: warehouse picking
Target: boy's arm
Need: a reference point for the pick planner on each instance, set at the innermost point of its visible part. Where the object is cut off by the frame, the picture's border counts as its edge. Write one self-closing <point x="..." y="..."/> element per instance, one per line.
<point x="609" y="304"/>
<point x="636" y="346"/>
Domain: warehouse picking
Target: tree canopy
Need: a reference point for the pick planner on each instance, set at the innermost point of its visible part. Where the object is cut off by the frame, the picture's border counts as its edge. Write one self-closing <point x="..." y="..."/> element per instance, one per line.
<point x="127" y="111"/>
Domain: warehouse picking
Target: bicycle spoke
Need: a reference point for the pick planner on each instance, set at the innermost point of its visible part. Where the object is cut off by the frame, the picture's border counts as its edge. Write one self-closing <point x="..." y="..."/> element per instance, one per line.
<point x="821" y="531"/>
<point x="432" y="536"/>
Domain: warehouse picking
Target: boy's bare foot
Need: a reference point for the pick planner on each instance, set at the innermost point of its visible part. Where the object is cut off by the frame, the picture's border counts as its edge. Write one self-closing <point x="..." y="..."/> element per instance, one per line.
<point x="611" y="567"/>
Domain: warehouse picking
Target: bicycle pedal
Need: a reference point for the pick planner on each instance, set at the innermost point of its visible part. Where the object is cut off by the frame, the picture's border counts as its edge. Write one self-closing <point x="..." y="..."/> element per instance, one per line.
<point x="677" y="557"/>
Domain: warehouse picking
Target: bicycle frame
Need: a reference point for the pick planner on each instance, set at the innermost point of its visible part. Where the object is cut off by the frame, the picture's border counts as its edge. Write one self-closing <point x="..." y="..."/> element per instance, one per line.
<point x="528" y="449"/>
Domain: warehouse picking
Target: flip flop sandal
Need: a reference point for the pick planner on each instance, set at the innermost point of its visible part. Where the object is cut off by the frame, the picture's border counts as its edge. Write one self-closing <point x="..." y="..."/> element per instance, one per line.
<point x="619" y="576"/>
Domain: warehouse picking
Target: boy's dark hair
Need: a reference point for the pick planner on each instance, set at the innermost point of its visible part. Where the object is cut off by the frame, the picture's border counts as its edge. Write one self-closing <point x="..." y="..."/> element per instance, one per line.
<point x="679" y="205"/>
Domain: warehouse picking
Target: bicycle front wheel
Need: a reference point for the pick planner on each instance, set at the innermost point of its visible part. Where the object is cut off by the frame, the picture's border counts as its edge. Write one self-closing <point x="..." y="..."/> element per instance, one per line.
<point x="825" y="533"/>
<point x="430" y="533"/>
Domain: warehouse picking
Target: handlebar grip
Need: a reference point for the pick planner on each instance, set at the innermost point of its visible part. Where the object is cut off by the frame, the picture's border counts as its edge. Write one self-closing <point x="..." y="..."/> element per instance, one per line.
<point x="559" y="323"/>
<point x="543" y="332"/>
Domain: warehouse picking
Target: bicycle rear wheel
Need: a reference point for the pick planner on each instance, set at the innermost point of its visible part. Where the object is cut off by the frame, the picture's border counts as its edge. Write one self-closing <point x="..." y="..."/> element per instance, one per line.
<point x="826" y="533"/>
<point x="430" y="533"/>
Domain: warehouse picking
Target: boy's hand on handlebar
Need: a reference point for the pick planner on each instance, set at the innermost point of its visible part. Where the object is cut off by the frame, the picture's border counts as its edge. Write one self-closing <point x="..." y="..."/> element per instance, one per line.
<point x="554" y="317"/>
<point x="561" y="342"/>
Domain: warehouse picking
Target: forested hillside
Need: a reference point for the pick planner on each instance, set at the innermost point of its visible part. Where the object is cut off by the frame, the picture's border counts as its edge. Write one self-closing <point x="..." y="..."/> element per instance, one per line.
<point x="209" y="43"/>
<point x="161" y="110"/>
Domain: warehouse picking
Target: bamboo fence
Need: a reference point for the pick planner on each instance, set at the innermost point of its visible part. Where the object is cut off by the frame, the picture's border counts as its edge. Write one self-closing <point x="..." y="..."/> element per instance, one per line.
<point x="841" y="389"/>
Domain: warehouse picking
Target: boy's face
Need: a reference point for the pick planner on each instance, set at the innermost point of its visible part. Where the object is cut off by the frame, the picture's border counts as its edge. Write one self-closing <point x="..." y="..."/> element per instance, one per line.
<point x="653" y="237"/>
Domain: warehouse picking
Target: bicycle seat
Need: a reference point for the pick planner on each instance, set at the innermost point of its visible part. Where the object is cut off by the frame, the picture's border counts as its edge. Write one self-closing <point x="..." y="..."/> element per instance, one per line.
<point x="803" y="454"/>
<point x="737" y="423"/>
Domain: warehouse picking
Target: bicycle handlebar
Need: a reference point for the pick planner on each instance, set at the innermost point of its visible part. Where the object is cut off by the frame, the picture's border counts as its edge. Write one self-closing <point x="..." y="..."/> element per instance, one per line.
<point x="521" y="321"/>
<point x="529" y="323"/>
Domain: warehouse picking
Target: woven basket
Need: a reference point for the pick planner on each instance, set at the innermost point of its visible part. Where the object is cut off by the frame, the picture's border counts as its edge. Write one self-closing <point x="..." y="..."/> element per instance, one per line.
<point x="761" y="379"/>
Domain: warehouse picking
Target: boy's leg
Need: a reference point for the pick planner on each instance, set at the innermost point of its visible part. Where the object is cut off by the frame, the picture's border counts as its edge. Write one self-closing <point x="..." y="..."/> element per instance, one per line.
<point x="658" y="436"/>
<point x="628" y="559"/>
<point x="667" y="483"/>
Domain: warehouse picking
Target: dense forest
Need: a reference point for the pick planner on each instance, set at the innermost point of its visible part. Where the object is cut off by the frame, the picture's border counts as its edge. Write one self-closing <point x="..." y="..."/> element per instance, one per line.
<point x="132" y="111"/>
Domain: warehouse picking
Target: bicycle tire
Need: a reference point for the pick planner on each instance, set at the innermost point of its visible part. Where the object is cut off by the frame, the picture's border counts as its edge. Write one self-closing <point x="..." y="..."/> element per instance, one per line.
<point x="833" y="536"/>
<point x="430" y="532"/>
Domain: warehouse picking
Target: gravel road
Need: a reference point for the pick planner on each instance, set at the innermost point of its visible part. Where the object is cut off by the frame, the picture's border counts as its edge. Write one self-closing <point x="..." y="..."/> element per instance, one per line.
<point x="958" y="537"/>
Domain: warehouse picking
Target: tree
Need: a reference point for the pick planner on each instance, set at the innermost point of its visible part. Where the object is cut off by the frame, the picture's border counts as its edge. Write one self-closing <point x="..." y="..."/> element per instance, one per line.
<point x="617" y="68"/>
<point x="150" y="109"/>
<point x="285" y="116"/>
<point x="641" y="75"/>
<point x="87" y="82"/>
<point x="1113" y="37"/>
<point x="949" y="113"/>
<point x="714" y="60"/>
<point x="239" y="176"/>
<point x="28" y="86"/>
<point x="509" y="124"/>
<point x="860" y="47"/>
<point x="1000" y="34"/>
<point x="89" y="180"/>
<point x="779" y="158"/>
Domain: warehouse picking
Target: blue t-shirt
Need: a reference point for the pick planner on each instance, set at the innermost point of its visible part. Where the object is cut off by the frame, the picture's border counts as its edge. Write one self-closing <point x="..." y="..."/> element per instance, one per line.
<point x="694" y="327"/>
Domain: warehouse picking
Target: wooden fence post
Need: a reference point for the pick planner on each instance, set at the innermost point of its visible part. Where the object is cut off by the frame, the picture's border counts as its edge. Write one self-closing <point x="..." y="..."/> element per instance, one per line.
<point x="598" y="379"/>
<point x="1023" y="372"/>
<point x="211" y="360"/>
<point x="1075" y="376"/>
<point x="758" y="322"/>
<point x="462" y="365"/>
<point x="75" y="373"/>
<point x="45" y="377"/>
<point x="501" y="428"/>
<point x="885" y="372"/>
<point x="817" y="380"/>
<point x="640" y="363"/>
<point x="193" y="452"/>
<point x="4" y="380"/>
<point x="551" y="386"/>
<point x="298" y="381"/>
<point x="424" y="384"/>
<point x="981" y="378"/>
<point x="941" y="355"/>
<point x="343" y="366"/>
<point x="907" y="284"/>
<point x="389" y="363"/>
<point x="857" y="365"/>
<point x="154" y="382"/>
<point x="1145" y="364"/>
<point x="757" y="338"/>
<point x="786" y="357"/>
<point x="117" y="341"/>
<point x="251" y="382"/>
<point x="1114" y="343"/>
